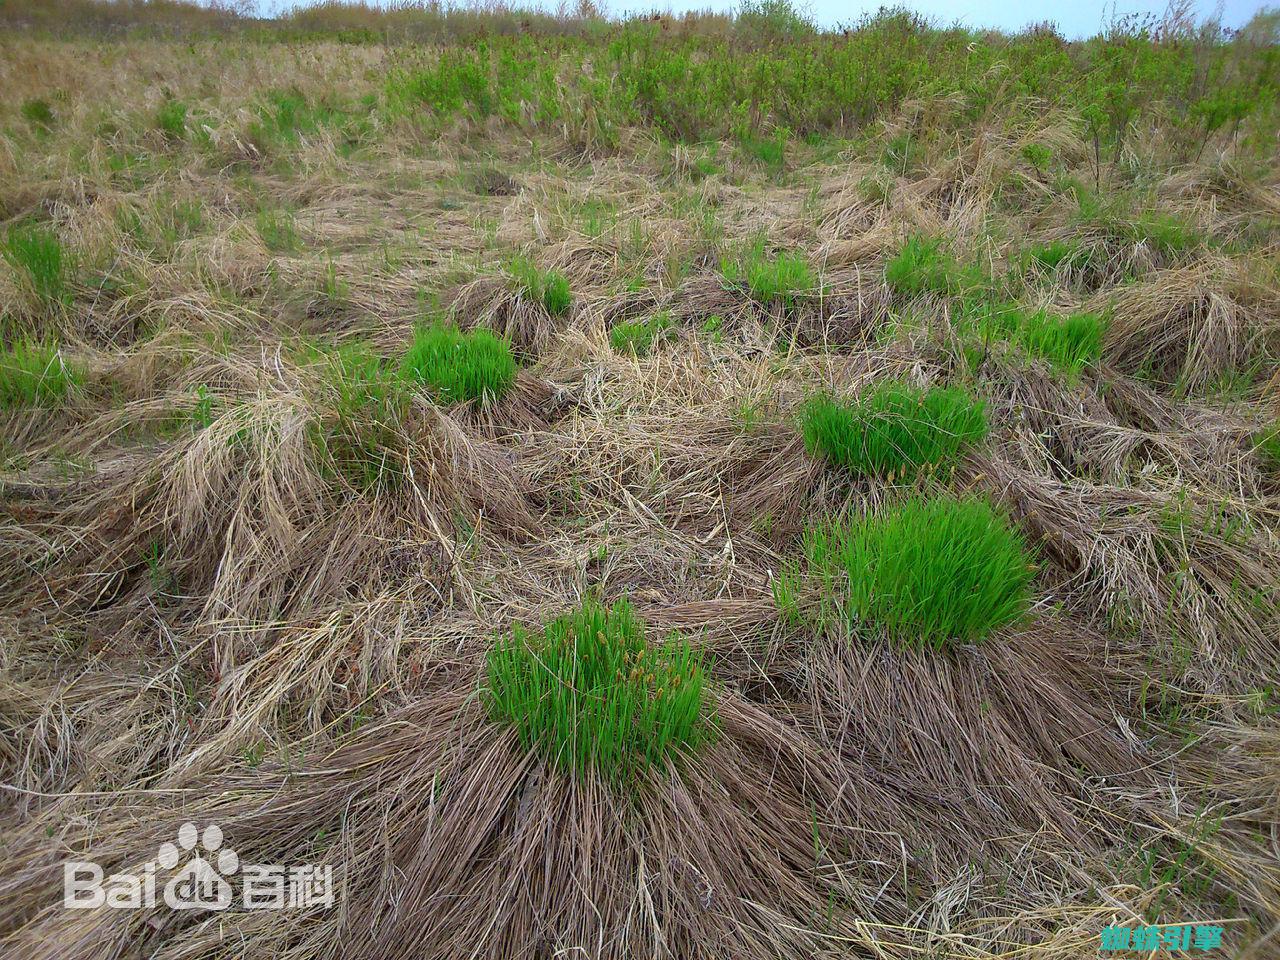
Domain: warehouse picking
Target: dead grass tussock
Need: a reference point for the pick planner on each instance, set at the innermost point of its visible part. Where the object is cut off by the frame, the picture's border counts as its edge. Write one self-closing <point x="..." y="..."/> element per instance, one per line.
<point x="1195" y="576"/>
<point x="1190" y="324"/>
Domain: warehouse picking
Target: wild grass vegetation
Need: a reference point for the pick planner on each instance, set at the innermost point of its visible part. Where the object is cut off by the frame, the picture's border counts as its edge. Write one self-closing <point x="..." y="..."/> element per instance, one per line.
<point x="780" y="277"/>
<point x="459" y="366"/>
<point x="547" y="287"/>
<point x="595" y="695"/>
<point x="928" y="572"/>
<point x="893" y="430"/>
<point x="35" y="252"/>
<point x="35" y="375"/>
<point x="692" y="486"/>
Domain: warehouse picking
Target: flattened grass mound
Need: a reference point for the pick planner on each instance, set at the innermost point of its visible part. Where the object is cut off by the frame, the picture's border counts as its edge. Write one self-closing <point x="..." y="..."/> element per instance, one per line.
<point x="927" y="573"/>
<point x="893" y="430"/>
<point x="591" y="692"/>
<point x="458" y="366"/>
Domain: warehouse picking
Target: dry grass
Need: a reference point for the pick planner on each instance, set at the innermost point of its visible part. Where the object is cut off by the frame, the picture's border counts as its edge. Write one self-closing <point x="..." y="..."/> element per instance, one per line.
<point x="204" y="616"/>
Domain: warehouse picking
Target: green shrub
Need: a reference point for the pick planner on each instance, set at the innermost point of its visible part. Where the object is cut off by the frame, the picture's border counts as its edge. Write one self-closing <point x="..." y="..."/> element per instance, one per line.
<point x="172" y="118"/>
<point x="592" y="693"/>
<point x="460" y="366"/>
<point x="1038" y="155"/>
<point x="767" y="279"/>
<point x="926" y="573"/>
<point x="922" y="266"/>
<point x="773" y="20"/>
<point x="638" y="338"/>
<point x="37" y="252"/>
<point x="39" y="114"/>
<point x="35" y="375"/>
<point x="549" y="287"/>
<point x="892" y="429"/>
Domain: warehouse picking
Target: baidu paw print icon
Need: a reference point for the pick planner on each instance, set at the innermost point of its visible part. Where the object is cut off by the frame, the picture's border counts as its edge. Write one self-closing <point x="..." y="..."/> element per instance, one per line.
<point x="201" y="882"/>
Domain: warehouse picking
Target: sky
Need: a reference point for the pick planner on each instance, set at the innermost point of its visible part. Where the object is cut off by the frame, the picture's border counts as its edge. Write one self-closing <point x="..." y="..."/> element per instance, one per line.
<point x="1075" y="18"/>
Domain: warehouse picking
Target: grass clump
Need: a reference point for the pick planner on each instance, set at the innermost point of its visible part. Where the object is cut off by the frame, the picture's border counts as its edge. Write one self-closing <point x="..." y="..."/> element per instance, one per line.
<point x="1069" y="343"/>
<point x="770" y="152"/>
<point x="923" y="266"/>
<point x="171" y="119"/>
<point x="767" y="279"/>
<point x="893" y="430"/>
<point x="35" y="375"/>
<point x="459" y="366"/>
<point x="1051" y="255"/>
<point x="1268" y="448"/>
<point x="928" y="573"/>
<point x="39" y="114"/>
<point x="548" y="287"/>
<point x="364" y="442"/>
<point x="277" y="230"/>
<point x="638" y="338"/>
<point x="1168" y="234"/>
<point x="593" y="694"/>
<point x="37" y="252"/>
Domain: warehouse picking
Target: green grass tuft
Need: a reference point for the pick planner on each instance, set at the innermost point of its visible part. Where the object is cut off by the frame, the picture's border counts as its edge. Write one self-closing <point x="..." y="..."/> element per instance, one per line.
<point x="893" y="430"/>
<point x="277" y="230"/>
<point x="37" y="252"/>
<point x="548" y="287"/>
<point x="1069" y="343"/>
<point x="1049" y="256"/>
<point x="592" y="693"/>
<point x="35" y="375"/>
<point x="172" y="119"/>
<point x="1268" y="448"/>
<point x="364" y="442"/>
<point x="460" y="366"/>
<point x="638" y="338"/>
<point x="771" y="152"/>
<point x="926" y="573"/>
<point x="1166" y="233"/>
<point x="783" y="277"/>
<point x="921" y="267"/>
<point x="39" y="114"/>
